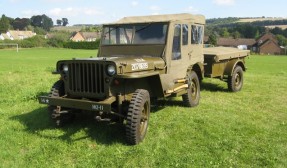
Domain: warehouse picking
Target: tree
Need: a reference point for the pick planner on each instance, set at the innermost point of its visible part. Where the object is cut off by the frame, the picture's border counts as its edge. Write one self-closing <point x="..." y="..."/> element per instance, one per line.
<point x="65" y="21"/>
<point x="39" y="31"/>
<point x="36" y="21"/>
<point x="224" y="32"/>
<point x="21" y="24"/>
<point x="4" y="24"/>
<point x="59" y="22"/>
<point x="42" y="21"/>
<point x="282" y="41"/>
<point x="236" y="35"/>
<point x="212" y="39"/>
<point x="47" y="23"/>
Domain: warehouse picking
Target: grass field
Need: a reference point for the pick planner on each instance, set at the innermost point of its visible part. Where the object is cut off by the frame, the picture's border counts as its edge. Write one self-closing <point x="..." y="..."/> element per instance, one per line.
<point x="244" y="129"/>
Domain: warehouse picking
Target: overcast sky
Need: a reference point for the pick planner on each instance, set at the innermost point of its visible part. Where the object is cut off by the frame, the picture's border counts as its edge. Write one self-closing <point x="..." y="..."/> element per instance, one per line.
<point x="103" y="11"/>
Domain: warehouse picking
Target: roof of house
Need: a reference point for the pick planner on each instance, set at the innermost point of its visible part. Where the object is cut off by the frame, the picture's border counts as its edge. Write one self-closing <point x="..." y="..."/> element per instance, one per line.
<point x="90" y="35"/>
<point x="5" y="36"/>
<point x="267" y="36"/>
<point x="16" y="34"/>
<point x="267" y="42"/>
<point x="235" y="42"/>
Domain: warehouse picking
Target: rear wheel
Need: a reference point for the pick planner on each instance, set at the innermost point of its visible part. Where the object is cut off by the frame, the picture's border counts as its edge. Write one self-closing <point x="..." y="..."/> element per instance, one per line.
<point x="58" y="90"/>
<point x="138" y="116"/>
<point x="235" y="81"/>
<point x="191" y="98"/>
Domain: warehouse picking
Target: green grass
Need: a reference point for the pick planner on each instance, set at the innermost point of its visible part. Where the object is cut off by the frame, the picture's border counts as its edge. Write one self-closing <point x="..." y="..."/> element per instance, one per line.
<point x="244" y="129"/>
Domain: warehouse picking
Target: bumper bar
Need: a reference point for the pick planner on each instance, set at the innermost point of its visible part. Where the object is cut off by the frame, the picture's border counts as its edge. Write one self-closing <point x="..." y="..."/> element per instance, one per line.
<point x="104" y="105"/>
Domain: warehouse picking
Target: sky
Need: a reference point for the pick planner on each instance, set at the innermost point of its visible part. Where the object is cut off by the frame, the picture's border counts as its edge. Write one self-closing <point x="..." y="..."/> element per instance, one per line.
<point x="106" y="11"/>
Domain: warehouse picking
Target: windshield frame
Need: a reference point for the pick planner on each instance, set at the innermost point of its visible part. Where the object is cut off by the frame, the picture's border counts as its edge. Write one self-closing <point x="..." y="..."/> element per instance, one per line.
<point x="128" y="34"/>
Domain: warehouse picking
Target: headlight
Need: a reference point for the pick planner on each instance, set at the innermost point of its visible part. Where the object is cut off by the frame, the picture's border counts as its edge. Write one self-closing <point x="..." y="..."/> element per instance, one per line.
<point x="65" y="68"/>
<point x="111" y="70"/>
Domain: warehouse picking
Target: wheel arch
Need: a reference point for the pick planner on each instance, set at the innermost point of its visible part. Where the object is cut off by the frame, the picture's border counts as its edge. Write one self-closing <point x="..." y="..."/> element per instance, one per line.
<point x="198" y="69"/>
<point x="232" y="64"/>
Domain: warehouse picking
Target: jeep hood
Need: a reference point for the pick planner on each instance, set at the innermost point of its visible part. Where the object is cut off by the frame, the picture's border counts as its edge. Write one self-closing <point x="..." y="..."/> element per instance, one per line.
<point x="133" y="64"/>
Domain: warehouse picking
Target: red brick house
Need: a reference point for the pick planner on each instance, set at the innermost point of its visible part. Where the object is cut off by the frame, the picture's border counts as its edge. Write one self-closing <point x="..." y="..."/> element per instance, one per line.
<point x="267" y="44"/>
<point x="85" y="36"/>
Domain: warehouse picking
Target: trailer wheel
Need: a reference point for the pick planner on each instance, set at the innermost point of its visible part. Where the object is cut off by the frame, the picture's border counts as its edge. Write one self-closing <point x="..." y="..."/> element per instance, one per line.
<point x="58" y="90"/>
<point x="191" y="98"/>
<point x="138" y="116"/>
<point x="235" y="81"/>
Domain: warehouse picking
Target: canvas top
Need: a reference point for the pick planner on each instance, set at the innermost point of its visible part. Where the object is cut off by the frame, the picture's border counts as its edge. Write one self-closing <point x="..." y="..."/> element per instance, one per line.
<point x="199" y="19"/>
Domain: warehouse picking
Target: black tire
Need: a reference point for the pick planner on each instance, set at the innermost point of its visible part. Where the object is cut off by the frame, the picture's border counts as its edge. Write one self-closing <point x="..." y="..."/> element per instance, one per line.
<point x="191" y="98"/>
<point x="58" y="90"/>
<point x="235" y="81"/>
<point x="138" y="117"/>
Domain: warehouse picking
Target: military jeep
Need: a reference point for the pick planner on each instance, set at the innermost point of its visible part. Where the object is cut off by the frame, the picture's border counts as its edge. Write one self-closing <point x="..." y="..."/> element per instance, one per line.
<point x="140" y="58"/>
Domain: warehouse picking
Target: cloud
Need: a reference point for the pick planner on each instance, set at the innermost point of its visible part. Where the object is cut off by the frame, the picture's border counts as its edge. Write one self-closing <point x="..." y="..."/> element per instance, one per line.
<point x="224" y="2"/>
<point x="70" y="11"/>
<point x="135" y="3"/>
<point x="154" y="8"/>
<point x="191" y="9"/>
<point x="30" y="13"/>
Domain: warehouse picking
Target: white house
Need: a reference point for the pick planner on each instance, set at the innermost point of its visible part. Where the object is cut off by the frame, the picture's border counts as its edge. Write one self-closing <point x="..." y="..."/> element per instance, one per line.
<point x="17" y="35"/>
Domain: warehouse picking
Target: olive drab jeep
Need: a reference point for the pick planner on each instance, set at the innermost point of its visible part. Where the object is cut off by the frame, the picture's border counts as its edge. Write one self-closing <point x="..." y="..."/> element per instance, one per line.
<point x="140" y="58"/>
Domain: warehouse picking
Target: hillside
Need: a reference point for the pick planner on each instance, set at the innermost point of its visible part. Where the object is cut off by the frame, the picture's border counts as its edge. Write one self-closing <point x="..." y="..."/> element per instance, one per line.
<point x="260" y="21"/>
<point x="67" y="28"/>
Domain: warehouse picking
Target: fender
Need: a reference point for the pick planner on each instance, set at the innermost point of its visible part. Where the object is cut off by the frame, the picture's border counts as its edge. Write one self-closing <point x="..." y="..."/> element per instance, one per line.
<point x="231" y="65"/>
<point x="148" y="80"/>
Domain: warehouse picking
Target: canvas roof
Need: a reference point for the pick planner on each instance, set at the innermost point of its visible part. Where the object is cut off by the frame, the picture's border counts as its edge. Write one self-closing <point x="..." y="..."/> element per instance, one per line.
<point x="200" y="19"/>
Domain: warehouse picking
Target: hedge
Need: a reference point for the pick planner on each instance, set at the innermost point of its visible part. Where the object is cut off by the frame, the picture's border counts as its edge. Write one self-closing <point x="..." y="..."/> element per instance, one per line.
<point x="83" y="45"/>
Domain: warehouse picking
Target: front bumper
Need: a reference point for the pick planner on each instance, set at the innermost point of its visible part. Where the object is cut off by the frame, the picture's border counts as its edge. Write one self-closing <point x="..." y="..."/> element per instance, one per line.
<point x="104" y="106"/>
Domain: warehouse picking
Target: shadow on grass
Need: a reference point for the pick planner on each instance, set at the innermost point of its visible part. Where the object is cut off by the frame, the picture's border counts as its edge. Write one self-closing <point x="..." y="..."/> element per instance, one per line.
<point x="105" y="133"/>
<point x="212" y="87"/>
<point x="38" y="122"/>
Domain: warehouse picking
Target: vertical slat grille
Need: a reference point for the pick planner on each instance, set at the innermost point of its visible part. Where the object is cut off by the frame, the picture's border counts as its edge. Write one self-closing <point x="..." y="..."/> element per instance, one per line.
<point x="86" y="78"/>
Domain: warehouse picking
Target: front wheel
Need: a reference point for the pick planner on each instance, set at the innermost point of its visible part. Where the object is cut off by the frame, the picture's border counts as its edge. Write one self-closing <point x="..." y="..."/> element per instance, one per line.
<point x="235" y="81"/>
<point x="58" y="90"/>
<point x="138" y="116"/>
<point x="191" y="98"/>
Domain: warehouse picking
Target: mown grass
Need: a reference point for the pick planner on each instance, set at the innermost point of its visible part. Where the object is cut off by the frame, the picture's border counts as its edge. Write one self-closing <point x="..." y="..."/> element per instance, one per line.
<point x="244" y="129"/>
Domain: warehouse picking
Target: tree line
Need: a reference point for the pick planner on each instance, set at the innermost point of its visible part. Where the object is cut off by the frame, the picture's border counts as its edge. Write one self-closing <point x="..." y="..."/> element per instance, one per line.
<point x="37" y="23"/>
<point x="230" y="28"/>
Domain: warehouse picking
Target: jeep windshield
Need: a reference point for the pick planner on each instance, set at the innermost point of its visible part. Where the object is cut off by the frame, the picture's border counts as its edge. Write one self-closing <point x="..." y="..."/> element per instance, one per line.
<point x="151" y="33"/>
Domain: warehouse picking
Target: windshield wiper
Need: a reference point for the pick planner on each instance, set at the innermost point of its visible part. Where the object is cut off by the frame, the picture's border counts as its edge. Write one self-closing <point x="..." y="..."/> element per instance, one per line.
<point x="143" y="28"/>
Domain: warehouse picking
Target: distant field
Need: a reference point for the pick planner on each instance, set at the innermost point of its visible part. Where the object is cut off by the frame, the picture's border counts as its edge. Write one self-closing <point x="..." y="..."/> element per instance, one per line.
<point x="244" y="129"/>
<point x="260" y="19"/>
<point x="280" y="26"/>
<point x="68" y="28"/>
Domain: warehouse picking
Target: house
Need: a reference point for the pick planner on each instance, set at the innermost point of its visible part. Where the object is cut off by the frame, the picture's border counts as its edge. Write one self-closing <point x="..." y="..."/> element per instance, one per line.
<point x="17" y="35"/>
<point x="242" y="43"/>
<point x="267" y="44"/>
<point x="3" y="36"/>
<point x="85" y="36"/>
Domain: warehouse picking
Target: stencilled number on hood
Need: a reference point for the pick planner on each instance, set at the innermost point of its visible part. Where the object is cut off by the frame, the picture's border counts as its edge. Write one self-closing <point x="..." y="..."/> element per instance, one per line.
<point x="139" y="66"/>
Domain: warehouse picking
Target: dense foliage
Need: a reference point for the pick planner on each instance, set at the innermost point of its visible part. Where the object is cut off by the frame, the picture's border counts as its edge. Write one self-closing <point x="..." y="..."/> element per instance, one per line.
<point x="231" y="28"/>
<point x="82" y="45"/>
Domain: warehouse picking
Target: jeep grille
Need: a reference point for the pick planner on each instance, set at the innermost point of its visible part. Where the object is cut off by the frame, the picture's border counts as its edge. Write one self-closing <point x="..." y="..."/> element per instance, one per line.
<point x="86" y="79"/>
